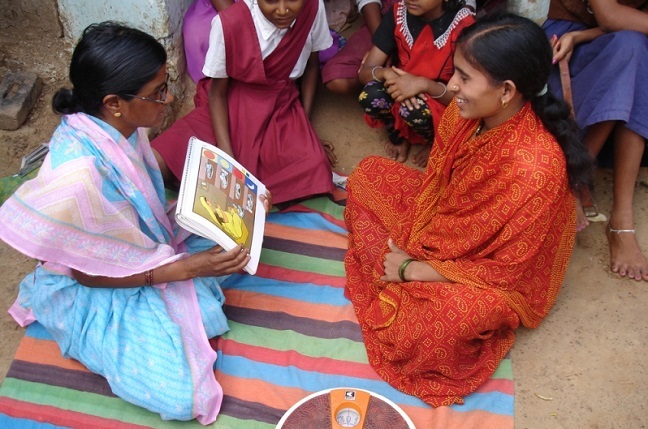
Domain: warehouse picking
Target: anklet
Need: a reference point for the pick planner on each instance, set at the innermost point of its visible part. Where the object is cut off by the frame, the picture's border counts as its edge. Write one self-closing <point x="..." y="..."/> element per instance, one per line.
<point x="619" y="231"/>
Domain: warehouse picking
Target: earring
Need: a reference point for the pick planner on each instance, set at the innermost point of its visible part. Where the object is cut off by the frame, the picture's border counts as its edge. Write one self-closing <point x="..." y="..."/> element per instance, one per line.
<point x="117" y="115"/>
<point x="505" y="104"/>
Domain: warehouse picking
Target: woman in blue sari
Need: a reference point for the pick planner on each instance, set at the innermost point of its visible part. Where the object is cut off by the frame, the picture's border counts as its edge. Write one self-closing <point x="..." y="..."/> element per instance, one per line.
<point x="120" y="286"/>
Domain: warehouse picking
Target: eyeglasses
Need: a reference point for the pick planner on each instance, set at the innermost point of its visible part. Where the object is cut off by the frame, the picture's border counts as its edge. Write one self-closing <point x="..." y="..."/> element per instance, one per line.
<point x="162" y="94"/>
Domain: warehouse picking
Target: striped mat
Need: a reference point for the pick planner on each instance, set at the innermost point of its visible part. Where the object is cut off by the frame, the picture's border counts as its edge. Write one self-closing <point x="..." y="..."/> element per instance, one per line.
<point x="292" y="333"/>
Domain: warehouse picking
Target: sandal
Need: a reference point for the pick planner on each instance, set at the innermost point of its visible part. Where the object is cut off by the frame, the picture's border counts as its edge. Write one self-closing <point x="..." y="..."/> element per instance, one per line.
<point x="589" y="207"/>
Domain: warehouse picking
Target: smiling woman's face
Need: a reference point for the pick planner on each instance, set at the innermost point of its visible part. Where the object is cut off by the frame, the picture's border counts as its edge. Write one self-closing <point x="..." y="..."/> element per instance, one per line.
<point x="281" y="13"/>
<point x="476" y="96"/>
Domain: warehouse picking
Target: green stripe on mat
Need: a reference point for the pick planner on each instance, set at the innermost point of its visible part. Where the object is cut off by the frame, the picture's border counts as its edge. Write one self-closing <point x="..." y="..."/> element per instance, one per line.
<point x="228" y="422"/>
<point x="337" y="349"/>
<point x="303" y="263"/>
<point x="325" y="205"/>
<point x="504" y="370"/>
<point x="88" y="403"/>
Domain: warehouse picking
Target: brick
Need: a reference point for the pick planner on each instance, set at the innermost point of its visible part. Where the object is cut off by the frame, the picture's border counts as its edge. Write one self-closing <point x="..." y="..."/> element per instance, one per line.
<point x="18" y="94"/>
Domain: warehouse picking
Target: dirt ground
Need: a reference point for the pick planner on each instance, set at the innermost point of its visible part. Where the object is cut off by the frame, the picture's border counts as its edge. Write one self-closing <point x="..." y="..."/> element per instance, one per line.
<point x="584" y="367"/>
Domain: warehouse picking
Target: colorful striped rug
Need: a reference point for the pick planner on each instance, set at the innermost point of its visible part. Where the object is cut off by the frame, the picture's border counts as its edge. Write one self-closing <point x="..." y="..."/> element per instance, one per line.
<point x="292" y="333"/>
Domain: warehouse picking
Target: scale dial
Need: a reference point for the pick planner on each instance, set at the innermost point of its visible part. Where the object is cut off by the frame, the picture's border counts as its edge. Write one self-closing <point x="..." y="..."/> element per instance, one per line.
<point x="347" y="417"/>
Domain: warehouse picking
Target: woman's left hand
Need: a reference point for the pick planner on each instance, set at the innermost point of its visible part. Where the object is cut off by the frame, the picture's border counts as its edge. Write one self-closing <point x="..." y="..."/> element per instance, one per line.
<point x="393" y="260"/>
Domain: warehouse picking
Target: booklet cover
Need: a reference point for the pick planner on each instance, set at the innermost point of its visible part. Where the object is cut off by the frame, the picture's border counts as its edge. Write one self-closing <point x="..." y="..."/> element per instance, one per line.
<point x="219" y="200"/>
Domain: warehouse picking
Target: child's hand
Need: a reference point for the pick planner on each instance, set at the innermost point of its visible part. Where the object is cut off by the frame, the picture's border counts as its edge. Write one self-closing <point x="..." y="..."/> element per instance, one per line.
<point x="330" y="151"/>
<point x="413" y="103"/>
<point x="406" y="86"/>
<point x="563" y="47"/>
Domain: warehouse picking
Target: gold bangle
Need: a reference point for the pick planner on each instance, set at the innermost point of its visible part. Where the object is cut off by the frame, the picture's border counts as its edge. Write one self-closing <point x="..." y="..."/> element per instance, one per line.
<point x="403" y="267"/>
<point x="373" y="74"/>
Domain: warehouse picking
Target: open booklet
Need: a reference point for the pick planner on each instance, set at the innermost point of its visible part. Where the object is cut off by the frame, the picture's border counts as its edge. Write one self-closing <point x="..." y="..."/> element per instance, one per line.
<point x="219" y="200"/>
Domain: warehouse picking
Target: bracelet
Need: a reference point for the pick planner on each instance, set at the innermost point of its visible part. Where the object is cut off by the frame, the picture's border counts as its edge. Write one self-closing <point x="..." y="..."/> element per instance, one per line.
<point x="148" y="278"/>
<point x="373" y="74"/>
<point x="403" y="267"/>
<point x="445" y="89"/>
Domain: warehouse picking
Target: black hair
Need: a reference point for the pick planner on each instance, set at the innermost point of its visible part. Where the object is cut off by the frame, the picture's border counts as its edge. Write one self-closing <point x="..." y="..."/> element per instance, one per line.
<point x="509" y="47"/>
<point x="110" y="58"/>
<point x="453" y="5"/>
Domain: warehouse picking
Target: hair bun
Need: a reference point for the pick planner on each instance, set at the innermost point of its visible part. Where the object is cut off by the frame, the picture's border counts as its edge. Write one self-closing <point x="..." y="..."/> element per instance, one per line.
<point x="65" y="101"/>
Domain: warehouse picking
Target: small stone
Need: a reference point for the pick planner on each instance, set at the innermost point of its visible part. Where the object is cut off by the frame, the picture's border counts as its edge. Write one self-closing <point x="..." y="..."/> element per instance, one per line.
<point x="18" y="94"/>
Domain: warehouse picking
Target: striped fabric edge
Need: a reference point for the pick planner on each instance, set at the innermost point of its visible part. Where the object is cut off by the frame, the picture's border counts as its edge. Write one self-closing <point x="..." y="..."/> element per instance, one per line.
<point x="292" y="333"/>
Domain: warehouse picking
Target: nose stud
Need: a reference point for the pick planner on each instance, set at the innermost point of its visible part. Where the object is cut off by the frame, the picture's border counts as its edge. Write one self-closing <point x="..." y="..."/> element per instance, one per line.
<point x="455" y="88"/>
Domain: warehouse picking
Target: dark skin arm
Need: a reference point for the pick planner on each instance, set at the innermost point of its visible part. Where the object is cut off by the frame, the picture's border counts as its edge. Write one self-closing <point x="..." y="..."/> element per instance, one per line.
<point x="309" y="83"/>
<point x="209" y="263"/>
<point x="612" y="16"/>
<point x="220" y="114"/>
<point x="371" y="14"/>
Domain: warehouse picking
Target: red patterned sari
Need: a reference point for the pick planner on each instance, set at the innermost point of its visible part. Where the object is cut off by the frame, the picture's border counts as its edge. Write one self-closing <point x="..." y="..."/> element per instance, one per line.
<point x="494" y="214"/>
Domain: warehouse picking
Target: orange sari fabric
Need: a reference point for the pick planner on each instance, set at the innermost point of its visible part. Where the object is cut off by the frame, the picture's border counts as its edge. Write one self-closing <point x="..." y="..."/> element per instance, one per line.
<point x="494" y="214"/>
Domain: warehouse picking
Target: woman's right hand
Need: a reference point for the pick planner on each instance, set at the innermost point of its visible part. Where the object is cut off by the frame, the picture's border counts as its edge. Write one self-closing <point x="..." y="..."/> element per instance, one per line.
<point x="215" y="262"/>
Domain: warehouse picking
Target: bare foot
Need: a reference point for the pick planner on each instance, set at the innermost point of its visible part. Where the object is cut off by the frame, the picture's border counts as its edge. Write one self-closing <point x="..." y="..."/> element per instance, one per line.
<point x="626" y="258"/>
<point x="581" y="219"/>
<point x="398" y="152"/>
<point x="421" y="157"/>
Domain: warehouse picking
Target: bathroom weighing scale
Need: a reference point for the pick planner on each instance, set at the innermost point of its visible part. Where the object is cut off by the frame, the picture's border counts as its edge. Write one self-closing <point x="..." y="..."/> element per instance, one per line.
<point x="345" y="407"/>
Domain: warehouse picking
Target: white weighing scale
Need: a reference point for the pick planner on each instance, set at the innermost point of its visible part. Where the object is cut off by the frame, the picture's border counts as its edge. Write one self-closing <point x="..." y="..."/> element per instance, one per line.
<point x="345" y="407"/>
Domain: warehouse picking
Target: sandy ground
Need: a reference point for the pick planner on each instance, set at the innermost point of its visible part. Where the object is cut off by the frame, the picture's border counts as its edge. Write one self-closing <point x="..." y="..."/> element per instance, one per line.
<point x="584" y="367"/>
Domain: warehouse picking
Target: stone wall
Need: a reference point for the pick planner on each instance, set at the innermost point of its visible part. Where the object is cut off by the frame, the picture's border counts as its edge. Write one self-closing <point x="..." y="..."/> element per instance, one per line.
<point x="34" y="18"/>
<point x="532" y="9"/>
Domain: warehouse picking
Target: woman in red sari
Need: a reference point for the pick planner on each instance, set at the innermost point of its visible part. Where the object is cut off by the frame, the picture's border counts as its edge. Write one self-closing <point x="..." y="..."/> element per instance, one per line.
<point x="444" y="265"/>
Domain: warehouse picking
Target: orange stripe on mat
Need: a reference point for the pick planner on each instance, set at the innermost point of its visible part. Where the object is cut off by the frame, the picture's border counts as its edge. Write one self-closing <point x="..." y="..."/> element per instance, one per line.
<point x="45" y="352"/>
<point x="58" y="416"/>
<point x="302" y="235"/>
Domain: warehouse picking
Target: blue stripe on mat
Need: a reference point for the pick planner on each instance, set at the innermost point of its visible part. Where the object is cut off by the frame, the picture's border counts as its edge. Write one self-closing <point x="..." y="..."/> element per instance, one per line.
<point x="236" y="366"/>
<point x="313" y="221"/>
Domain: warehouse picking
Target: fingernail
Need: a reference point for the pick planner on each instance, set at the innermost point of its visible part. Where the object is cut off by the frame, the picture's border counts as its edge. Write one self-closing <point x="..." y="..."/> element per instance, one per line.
<point x="554" y="61"/>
